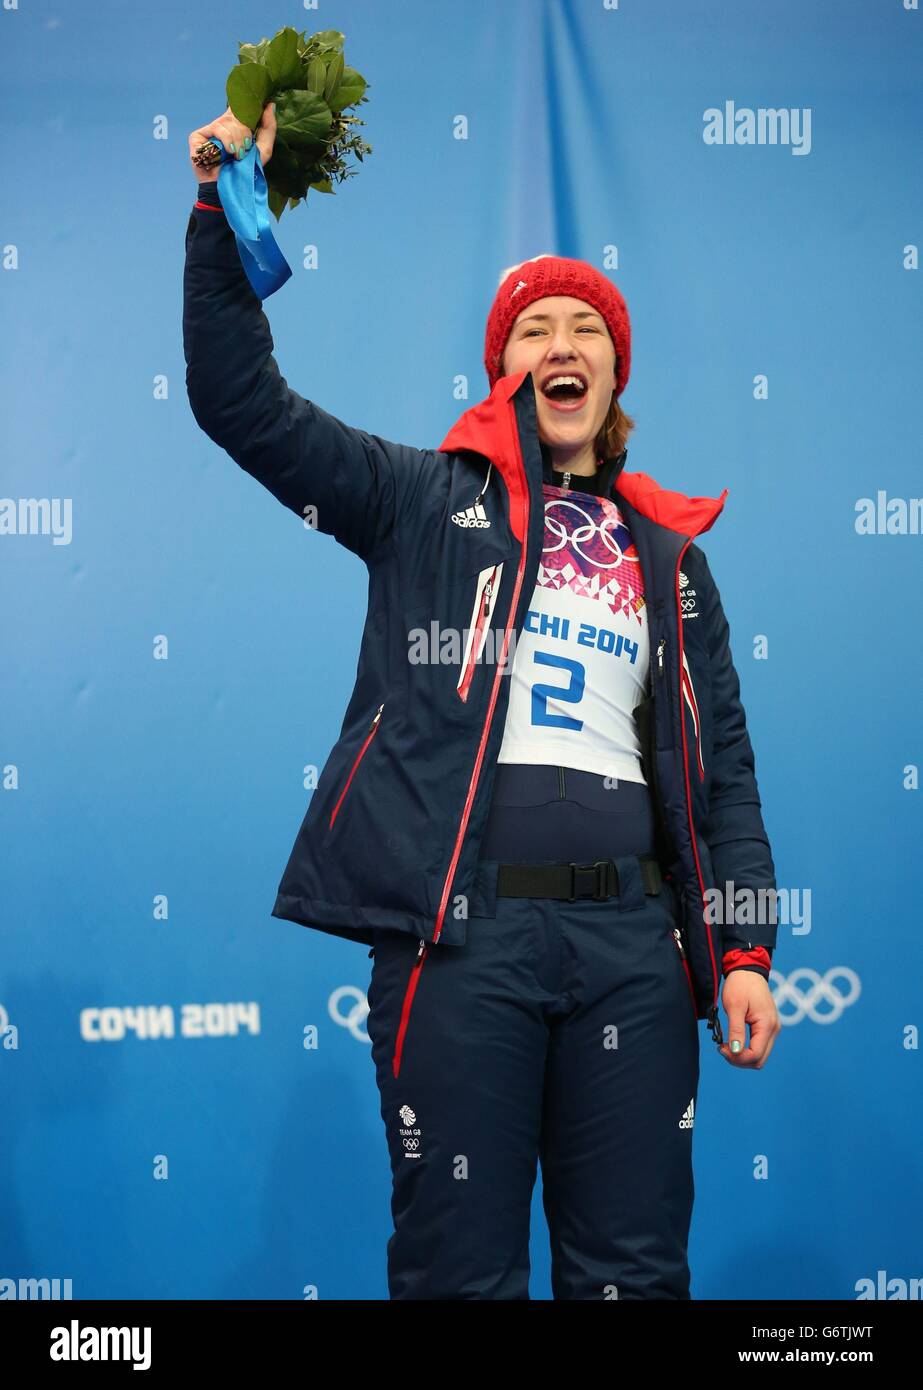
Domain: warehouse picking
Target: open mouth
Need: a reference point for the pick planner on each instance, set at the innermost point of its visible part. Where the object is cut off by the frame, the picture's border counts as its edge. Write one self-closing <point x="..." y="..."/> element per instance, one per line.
<point x="567" y="391"/>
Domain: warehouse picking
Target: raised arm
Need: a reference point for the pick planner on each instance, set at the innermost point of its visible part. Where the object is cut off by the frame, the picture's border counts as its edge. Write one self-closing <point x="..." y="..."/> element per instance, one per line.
<point x="307" y="458"/>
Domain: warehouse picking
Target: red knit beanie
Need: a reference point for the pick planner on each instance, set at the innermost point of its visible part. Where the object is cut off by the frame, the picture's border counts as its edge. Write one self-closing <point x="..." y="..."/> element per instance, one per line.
<point x="545" y="275"/>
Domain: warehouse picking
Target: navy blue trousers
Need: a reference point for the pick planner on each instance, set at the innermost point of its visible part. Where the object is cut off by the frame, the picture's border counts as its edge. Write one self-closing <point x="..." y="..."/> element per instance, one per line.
<point x="561" y="1033"/>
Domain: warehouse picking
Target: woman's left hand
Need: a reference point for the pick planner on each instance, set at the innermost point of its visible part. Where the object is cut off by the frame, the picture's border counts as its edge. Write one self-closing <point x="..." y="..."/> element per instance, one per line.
<point x="747" y="998"/>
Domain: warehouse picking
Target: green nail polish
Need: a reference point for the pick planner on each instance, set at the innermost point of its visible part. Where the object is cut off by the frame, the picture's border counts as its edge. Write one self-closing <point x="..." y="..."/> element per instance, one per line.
<point x="232" y="146"/>
<point x="248" y="142"/>
<point x="736" y="1045"/>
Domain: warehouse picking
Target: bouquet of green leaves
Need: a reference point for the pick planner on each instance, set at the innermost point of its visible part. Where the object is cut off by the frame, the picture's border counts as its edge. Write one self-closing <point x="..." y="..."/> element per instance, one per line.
<point x="313" y="89"/>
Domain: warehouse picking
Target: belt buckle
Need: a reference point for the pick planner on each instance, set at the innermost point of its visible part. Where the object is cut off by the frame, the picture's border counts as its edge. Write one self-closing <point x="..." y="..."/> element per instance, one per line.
<point x="598" y="867"/>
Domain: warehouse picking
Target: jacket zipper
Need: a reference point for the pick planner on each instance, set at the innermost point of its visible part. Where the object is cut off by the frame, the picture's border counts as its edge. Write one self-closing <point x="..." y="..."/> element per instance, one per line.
<point x="422" y="953"/>
<point x="488" y="581"/>
<point x="498" y="672"/>
<point x="714" y="1022"/>
<point x="655" y="781"/>
<point x="689" y="693"/>
<point x="677" y="934"/>
<point x="678" y="938"/>
<point x="358" y="759"/>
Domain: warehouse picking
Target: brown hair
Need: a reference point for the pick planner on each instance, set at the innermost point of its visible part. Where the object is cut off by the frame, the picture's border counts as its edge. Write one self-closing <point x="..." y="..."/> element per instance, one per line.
<point x="614" y="431"/>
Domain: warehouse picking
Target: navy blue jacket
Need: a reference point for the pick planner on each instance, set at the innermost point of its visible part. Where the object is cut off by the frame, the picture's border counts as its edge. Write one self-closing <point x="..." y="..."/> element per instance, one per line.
<point x="392" y="831"/>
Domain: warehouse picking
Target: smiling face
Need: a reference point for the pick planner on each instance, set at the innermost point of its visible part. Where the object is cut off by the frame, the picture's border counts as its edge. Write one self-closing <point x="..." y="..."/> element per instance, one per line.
<point x="556" y="338"/>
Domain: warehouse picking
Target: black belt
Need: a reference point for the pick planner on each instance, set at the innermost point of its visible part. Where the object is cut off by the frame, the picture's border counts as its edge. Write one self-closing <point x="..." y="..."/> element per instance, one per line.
<point x="598" y="880"/>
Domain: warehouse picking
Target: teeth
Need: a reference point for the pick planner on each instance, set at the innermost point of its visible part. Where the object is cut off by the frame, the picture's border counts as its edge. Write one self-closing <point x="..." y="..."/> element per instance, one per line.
<point x="564" y="381"/>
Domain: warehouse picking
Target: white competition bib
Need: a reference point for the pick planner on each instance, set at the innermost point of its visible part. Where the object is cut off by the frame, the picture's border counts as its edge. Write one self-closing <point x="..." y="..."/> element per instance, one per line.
<point x="581" y="662"/>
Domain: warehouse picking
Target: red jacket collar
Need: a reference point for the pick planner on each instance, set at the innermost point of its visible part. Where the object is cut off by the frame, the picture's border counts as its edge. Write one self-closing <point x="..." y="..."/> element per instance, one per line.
<point x="489" y="428"/>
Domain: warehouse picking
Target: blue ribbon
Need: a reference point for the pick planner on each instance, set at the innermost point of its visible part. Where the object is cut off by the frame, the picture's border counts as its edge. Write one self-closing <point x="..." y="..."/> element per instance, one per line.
<point x="242" y="190"/>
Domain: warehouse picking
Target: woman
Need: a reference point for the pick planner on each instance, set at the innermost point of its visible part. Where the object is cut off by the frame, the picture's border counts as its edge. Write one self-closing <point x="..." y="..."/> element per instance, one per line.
<point x="543" y="772"/>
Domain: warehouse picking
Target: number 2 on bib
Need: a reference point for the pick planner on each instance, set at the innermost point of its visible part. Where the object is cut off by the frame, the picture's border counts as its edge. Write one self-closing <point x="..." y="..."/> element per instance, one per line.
<point x="572" y="693"/>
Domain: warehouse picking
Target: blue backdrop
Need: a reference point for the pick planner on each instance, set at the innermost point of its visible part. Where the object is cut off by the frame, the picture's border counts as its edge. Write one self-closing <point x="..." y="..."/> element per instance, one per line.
<point x="178" y="649"/>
